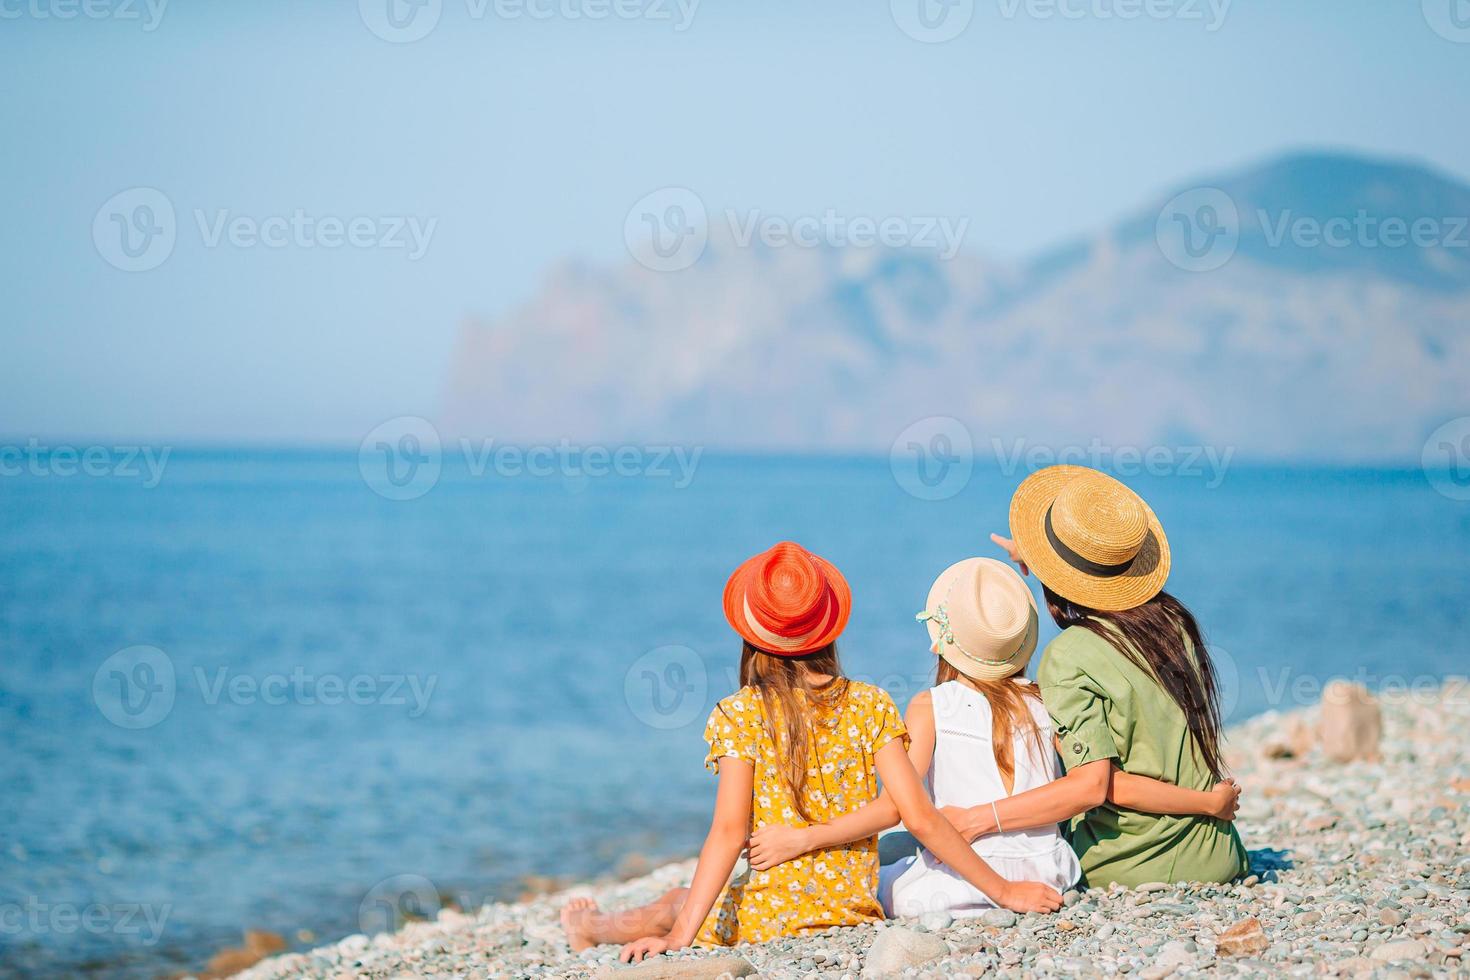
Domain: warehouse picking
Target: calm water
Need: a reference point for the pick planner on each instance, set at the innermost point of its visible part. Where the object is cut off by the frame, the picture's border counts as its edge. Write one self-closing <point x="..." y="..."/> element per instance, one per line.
<point x="509" y="676"/>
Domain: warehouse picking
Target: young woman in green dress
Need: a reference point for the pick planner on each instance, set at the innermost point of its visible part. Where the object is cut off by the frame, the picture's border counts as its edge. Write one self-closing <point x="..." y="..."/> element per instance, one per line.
<point x="1128" y="684"/>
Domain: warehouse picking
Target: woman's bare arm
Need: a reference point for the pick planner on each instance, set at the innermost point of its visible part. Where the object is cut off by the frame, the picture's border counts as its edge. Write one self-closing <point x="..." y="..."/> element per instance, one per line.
<point x="1085" y="787"/>
<point x="727" y="834"/>
<point x="1088" y="786"/>
<point x="778" y="844"/>
<point x="1148" y="795"/>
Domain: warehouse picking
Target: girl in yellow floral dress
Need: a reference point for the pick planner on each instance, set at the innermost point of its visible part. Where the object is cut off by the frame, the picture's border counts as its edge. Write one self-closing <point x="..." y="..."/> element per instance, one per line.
<point x="798" y="743"/>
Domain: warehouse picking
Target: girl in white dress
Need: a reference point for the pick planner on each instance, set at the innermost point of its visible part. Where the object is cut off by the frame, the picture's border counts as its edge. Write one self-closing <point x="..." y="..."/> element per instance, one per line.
<point x="979" y="754"/>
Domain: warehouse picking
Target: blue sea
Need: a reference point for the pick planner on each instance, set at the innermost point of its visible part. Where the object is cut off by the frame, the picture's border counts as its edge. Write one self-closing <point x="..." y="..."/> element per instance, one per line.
<point x="261" y="694"/>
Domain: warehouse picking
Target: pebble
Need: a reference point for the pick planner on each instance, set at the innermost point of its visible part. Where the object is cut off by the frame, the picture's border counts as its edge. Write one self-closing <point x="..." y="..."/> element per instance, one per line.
<point x="998" y="918"/>
<point x="1408" y="949"/>
<point x="898" y="949"/>
<point x="1342" y="882"/>
<point x="937" y="921"/>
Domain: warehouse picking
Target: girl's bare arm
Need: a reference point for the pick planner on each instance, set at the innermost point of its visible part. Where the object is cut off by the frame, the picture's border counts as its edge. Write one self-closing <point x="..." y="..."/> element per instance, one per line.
<point x="1088" y="786"/>
<point x="727" y="833"/>
<point x="778" y="844"/>
<point x="945" y="843"/>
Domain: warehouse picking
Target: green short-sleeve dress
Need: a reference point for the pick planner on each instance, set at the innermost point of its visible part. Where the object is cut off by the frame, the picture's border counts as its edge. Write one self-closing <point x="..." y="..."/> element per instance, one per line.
<point x="1106" y="707"/>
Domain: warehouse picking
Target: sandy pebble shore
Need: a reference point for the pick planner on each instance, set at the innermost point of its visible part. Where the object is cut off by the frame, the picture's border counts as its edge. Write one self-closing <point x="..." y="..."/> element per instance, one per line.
<point x="1360" y="869"/>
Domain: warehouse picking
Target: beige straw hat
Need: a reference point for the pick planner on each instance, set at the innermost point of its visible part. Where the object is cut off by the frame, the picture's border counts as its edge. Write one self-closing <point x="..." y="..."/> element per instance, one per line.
<point x="1089" y="538"/>
<point x="982" y="619"/>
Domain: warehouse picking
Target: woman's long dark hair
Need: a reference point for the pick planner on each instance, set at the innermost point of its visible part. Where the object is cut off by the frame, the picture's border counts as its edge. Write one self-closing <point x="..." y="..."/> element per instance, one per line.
<point x="791" y="699"/>
<point x="1162" y="638"/>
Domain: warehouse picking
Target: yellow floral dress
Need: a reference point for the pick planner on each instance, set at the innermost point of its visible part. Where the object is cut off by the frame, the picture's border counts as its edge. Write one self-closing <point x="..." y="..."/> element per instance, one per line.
<point x="835" y="886"/>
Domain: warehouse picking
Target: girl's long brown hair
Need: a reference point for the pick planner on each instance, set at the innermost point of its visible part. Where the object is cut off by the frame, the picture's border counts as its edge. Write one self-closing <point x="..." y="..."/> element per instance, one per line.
<point x="1162" y="638"/>
<point x="790" y="700"/>
<point x="1009" y="714"/>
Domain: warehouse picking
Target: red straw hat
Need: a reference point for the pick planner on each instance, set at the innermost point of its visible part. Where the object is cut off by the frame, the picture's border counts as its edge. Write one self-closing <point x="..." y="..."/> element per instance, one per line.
<point x="787" y="601"/>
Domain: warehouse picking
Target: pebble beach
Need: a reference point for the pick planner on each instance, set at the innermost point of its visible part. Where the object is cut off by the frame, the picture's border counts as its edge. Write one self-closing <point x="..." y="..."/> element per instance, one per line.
<point x="1358" y="868"/>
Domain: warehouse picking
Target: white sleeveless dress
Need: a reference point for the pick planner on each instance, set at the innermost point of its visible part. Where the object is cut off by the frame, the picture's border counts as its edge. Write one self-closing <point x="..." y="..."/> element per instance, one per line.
<point x="964" y="773"/>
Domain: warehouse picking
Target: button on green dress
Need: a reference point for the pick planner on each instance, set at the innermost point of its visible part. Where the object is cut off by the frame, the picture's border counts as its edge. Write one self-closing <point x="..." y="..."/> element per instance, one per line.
<point x="1106" y="707"/>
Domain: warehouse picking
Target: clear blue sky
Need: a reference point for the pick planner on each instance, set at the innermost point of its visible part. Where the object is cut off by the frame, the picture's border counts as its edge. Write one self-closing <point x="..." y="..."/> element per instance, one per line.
<point x="528" y="139"/>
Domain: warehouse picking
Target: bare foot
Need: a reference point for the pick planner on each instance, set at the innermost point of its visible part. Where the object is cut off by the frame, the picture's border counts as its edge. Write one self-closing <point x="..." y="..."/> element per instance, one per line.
<point x="576" y="918"/>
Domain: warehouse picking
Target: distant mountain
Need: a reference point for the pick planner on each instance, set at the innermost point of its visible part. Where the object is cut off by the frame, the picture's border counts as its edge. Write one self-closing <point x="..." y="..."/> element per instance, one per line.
<point x="1316" y="306"/>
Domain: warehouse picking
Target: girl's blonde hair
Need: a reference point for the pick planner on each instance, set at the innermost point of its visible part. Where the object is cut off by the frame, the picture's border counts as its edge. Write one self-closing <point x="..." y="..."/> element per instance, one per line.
<point x="1010" y="713"/>
<point x="790" y="701"/>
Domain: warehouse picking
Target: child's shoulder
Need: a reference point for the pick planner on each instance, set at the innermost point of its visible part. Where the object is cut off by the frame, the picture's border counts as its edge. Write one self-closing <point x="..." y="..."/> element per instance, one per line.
<point x="865" y="695"/>
<point x="743" y="701"/>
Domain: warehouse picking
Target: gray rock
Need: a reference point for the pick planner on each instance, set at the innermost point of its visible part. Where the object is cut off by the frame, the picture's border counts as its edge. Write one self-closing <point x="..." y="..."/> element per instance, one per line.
<point x="998" y="918"/>
<point x="1352" y="723"/>
<point x="936" y="921"/>
<point x="1407" y="949"/>
<point x="684" y="968"/>
<point x="897" y="948"/>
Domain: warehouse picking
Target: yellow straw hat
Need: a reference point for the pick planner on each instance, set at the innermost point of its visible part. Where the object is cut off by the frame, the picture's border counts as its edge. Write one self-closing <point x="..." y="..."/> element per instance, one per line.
<point x="1089" y="538"/>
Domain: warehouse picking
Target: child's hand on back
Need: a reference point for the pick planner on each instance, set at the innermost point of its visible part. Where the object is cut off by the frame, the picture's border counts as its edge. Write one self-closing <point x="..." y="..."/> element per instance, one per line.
<point x="1225" y="798"/>
<point x="777" y="844"/>
<point x="1029" y="896"/>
